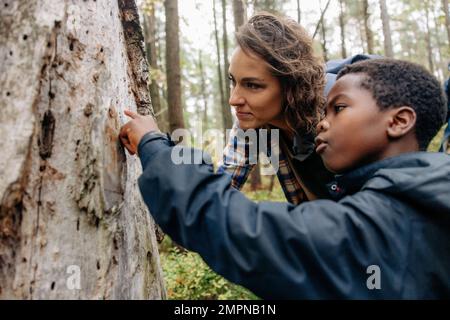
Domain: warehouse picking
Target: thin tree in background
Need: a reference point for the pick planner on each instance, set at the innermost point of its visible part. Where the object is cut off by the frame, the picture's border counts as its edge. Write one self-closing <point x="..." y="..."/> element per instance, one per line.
<point x="442" y="65"/>
<point x="227" y="118"/>
<point x="203" y="90"/>
<point x="323" y="30"/>
<point x="342" y="28"/>
<point x="176" y="119"/>
<point x="239" y="13"/>
<point x="152" y="58"/>
<point x="447" y="19"/>
<point x="368" y="31"/>
<point x="274" y="6"/>
<point x="161" y="53"/>
<point x="361" y="29"/>
<point x="388" y="51"/>
<point x="428" y="35"/>
<point x="299" y="13"/>
<point x="322" y="15"/>
<point x="223" y="103"/>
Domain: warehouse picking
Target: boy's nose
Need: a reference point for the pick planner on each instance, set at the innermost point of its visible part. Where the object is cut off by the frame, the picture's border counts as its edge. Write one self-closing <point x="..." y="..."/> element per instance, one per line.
<point x="323" y="125"/>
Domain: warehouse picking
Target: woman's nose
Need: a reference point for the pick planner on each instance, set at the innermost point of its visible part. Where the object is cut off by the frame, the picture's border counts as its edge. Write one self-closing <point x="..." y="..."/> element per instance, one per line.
<point x="235" y="98"/>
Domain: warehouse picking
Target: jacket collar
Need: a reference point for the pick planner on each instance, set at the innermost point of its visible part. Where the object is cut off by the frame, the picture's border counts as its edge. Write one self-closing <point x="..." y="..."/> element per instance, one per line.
<point x="353" y="181"/>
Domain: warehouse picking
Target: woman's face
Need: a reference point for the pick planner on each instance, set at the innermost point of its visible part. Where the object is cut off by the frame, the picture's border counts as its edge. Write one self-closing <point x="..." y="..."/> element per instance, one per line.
<point x="255" y="93"/>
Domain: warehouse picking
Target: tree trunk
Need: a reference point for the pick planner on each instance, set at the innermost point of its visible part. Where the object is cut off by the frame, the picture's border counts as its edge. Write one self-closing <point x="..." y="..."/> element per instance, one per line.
<point x="323" y="31"/>
<point x="299" y="13"/>
<point x="442" y="64"/>
<point x="324" y="41"/>
<point x="152" y="58"/>
<point x="203" y="90"/>
<point x="342" y="27"/>
<point x="368" y="31"/>
<point x="361" y="33"/>
<point x="255" y="174"/>
<point x="447" y="19"/>
<point x="223" y="103"/>
<point x="322" y="15"/>
<point x="176" y="119"/>
<point x="428" y="36"/>
<point x="388" y="51"/>
<point x="239" y="13"/>
<point x="228" y="120"/>
<point x="72" y="222"/>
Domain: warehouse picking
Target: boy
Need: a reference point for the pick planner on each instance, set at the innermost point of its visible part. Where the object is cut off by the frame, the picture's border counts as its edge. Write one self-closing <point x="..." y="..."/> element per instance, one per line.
<point x="386" y="236"/>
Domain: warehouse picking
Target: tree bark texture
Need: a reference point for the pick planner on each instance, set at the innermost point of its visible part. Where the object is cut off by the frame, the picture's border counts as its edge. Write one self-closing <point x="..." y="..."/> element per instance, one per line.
<point x="72" y="221"/>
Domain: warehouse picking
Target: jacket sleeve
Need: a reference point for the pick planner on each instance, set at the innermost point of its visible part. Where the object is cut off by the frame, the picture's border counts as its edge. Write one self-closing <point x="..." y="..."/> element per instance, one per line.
<point x="276" y="250"/>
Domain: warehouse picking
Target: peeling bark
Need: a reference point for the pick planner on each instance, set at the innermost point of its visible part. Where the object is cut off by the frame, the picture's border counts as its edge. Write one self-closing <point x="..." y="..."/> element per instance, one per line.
<point x="68" y="191"/>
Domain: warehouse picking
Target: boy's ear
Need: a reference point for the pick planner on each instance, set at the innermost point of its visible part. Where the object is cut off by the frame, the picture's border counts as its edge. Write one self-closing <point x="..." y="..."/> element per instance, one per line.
<point x="402" y="121"/>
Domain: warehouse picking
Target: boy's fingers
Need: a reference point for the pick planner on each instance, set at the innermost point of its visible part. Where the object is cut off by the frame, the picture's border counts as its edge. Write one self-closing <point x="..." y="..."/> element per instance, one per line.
<point x="131" y="114"/>
<point x="125" y="130"/>
<point x="126" y="143"/>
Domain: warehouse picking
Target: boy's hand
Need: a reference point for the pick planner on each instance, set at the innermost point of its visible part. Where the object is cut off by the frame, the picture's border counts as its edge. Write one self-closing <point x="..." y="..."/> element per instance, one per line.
<point x="132" y="132"/>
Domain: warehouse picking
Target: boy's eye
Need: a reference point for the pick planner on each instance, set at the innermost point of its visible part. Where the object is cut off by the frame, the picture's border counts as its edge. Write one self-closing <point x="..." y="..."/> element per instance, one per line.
<point x="339" y="108"/>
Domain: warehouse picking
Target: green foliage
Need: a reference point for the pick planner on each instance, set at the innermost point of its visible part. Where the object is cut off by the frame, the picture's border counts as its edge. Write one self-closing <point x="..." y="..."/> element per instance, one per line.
<point x="188" y="277"/>
<point x="436" y="142"/>
<point x="265" y="194"/>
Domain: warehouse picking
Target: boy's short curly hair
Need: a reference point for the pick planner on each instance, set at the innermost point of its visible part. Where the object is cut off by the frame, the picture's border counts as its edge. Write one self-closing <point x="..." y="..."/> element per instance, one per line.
<point x="395" y="83"/>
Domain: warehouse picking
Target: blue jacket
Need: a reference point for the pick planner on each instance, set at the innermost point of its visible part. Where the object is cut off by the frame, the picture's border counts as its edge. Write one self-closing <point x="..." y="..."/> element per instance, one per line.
<point x="394" y="214"/>
<point x="447" y="130"/>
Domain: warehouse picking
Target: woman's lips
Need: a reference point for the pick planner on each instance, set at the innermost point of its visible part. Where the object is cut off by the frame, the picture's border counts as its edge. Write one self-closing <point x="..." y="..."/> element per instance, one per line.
<point x="244" y="115"/>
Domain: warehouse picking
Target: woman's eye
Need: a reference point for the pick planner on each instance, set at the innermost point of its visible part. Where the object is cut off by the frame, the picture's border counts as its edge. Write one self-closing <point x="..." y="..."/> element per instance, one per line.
<point x="253" y="85"/>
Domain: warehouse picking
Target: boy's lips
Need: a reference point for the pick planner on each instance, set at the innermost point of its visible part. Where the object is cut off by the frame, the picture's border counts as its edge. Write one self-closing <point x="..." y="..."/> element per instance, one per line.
<point x="321" y="144"/>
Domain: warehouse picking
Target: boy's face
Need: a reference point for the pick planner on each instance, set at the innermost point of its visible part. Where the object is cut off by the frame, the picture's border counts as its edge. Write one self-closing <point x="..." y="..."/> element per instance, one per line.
<point x="354" y="131"/>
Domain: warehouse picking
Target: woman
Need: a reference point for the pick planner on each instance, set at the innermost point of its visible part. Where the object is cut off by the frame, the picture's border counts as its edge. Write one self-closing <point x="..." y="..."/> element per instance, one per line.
<point x="277" y="82"/>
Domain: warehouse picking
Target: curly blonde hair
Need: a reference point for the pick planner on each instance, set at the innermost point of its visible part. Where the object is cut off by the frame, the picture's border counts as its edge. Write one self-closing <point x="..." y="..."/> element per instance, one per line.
<point x="287" y="49"/>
